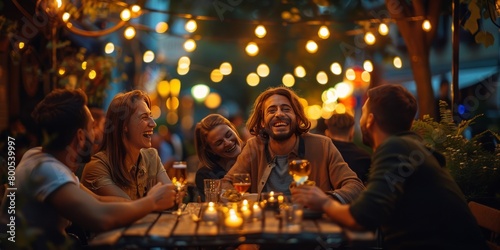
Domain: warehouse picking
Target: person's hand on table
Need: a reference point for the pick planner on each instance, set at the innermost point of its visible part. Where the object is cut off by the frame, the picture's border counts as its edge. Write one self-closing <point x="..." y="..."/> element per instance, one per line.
<point x="310" y="196"/>
<point x="163" y="196"/>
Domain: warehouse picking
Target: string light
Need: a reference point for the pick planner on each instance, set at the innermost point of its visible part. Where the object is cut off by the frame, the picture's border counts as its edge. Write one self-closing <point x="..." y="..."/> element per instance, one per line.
<point x="397" y="62"/>
<point x="370" y="38"/>
<point x="263" y="70"/>
<point x="368" y="65"/>
<point x="109" y="48"/>
<point x="299" y="71"/>
<point x="426" y="25"/>
<point x="311" y="46"/>
<point x="161" y="27"/>
<point x="129" y="33"/>
<point x="226" y="68"/>
<point x="383" y="29"/>
<point x="189" y="45"/>
<point x="260" y="31"/>
<point x="336" y="68"/>
<point x="148" y="56"/>
<point x="191" y="26"/>
<point x="323" y="32"/>
<point x="252" y="49"/>
<point x="253" y="79"/>
<point x="288" y="80"/>
<point x="125" y="15"/>
<point x="322" y="77"/>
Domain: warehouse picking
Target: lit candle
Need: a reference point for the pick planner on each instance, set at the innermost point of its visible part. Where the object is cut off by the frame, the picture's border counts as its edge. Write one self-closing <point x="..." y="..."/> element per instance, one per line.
<point x="271" y="196"/>
<point x="233" y="220"/>
<point x="210" y="214"/>
<point x="257" y="212"/>
<point x="245" y="211"/>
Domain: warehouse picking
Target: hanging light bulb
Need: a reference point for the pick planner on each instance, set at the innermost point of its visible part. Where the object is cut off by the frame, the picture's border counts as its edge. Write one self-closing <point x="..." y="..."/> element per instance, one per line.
<point x="311" y="46"/>
<point x="322" y="77"/>
<point x="225" y="68"/>
<point x="299" y="71"/>
<point x="383" y="29"/>
<point x="136" y="10"/>
<point x="189" y="45"/>
<point x="370" y="38"/>
<point x="148" y="56"/>
<point x="368" y="65"/>
<point x="109" y="48"/>
<point x="125" y="15"/>
<point x="184" y="62"/>
<point x="323" y="32"/>
<point x="426" y="25"/>
<point x="336" y="68"/>
<point x="260" y="31"/>
<point x="161" y="27"/>
<point x="191" y="26"/>
<point x="252" y="49"/>
<point x="253" y="79"/>
<point x="65" y="17"/>
<point x="129" y="33"/>
<point x="397" y="62"/>
<point x="263" y="70"/>
<point x="288" y="80"/>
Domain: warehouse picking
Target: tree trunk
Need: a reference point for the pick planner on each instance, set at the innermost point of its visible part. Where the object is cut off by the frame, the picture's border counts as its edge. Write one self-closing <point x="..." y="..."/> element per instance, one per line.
<point x="418" y="44"/>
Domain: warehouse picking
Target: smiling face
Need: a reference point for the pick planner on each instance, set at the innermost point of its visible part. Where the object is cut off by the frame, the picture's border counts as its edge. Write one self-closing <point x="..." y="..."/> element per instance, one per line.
<point x="223" y="142"/>
<point x="139" y="128"/>
<point x="279" y="118"/>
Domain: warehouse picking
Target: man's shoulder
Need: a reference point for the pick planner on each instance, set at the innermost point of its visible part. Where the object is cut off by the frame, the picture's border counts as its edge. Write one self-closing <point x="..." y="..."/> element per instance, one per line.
<point x="316" y="137"/>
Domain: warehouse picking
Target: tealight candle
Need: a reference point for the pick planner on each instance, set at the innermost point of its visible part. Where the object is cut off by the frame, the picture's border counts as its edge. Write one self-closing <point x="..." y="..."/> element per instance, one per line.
<point x="210" y="214"/>
<point x="245" y="211"/>
<point x="257" y="212"/>
<point x="233" y="220"/>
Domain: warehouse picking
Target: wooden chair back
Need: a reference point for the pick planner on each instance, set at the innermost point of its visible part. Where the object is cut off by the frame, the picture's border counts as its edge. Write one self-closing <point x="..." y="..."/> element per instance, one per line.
<point x="488" y="218"/>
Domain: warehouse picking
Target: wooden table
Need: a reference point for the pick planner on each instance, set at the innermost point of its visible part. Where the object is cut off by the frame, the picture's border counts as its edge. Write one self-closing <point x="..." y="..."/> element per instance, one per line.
<point x="162" y="230"/>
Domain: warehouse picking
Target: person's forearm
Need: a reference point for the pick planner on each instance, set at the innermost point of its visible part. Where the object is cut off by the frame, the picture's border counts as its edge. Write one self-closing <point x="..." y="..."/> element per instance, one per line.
<point x="340" y="213"/>
<point x="118" y="214"/>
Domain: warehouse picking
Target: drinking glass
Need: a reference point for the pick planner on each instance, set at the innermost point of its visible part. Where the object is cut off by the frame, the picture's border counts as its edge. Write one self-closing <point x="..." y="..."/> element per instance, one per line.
<point x="179" y="179"/>
<point x="300" y="170"/>
<point x="241" y="182"/>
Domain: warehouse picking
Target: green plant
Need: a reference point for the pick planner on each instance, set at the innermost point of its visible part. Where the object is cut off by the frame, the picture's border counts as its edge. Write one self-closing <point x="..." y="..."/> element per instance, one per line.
<point x="475" y="169"/>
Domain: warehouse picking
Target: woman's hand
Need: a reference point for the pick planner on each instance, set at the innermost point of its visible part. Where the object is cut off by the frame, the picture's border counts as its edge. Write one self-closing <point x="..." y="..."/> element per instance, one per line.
<point x="163" y="196"/>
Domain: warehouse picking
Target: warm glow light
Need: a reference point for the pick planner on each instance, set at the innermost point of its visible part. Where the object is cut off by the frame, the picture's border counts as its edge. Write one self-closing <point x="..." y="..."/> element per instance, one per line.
<point x="213" y="100"/>
<point x="383" y="29"/>
<point x="225" y="68"/>
<point x="61" y="71"/>
<point x="163" y="88"/>
<point x="336" y="68"/>
<point x="59" y="3"/>
<point x="109" y="48"/>
<point x="172" y="103"/>
<point x="182" y="71"/>
<point x="216" y="75"/>
<point x="84" y="65"/>
<point x="344" y="89"/>
<point x="155" y="112"/>
<point x="304" y="102"/>
<point x="322" y="77"/>
<point x="370" y="38"/>
<point x="20" y="45"/>
<point x="397" y="62"/>
<point x="172" y="117"/>
<point x="288" y="80"/>
<point x="65" y="17"/>
<point x="161" y="27"/>
<point x="323" y="32"/>
<point x="329" y="96"/>
<point x="365" y="76"/>
<point x="135" y="9"/>
<point x="340" y="108"/>
<point x="129" y="33"/>
<point x="260" y="31"/>
<point x="92" y="74"/>
<point x="311" y="46"/>
<point x="175" y="87"/>
<point x="189" y="45"/>
<point x="299" y="71"/>
<point x="327" y="108"/>
<point x="191" y="26"/>
<point x="184" y="62"/>
<point x="263" y="70"/>
<point x="368" y="65"/>
<point x="313" y="112"/>
<point x="200" y="91"/>
<point x="426" y="25"/>
<point x="252" y="49"/>
<point x="350" y="74"/>
<point x="148" y="56"/>
<point x="125" y="15"/>
<point x="253" y="79"/>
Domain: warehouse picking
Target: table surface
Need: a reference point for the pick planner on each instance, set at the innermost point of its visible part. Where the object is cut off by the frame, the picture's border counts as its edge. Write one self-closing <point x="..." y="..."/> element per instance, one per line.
<point x="164" y="229"/>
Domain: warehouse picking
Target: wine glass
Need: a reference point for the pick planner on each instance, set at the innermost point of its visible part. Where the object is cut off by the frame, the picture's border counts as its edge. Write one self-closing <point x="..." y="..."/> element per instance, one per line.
<point x="300" y="170"/>
<point x="241" y="182"/>
<point x="179" y="179"/>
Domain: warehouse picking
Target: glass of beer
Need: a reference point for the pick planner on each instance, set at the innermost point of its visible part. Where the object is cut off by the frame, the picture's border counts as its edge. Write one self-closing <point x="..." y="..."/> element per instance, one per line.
<point x="241" y="182"/>
<point x="179" y="179"/>
<point x="299" y="170"/>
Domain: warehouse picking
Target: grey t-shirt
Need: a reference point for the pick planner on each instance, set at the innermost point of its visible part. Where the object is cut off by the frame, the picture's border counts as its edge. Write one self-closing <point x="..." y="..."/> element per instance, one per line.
<point x="279" y="179"/>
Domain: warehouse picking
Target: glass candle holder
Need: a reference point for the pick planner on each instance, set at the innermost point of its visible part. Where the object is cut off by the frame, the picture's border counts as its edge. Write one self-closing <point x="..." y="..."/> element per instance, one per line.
<point x="210" y="214"/>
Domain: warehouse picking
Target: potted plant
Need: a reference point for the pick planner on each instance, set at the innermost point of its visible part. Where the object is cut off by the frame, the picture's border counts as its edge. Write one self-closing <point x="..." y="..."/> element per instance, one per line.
<point x="475" y="168"/>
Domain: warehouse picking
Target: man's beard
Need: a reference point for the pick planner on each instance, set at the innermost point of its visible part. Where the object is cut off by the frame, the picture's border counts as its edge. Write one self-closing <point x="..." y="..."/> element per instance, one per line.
<point x="85" y="154"/>
<point x="367" y="137"/>
<point x="281" y="136"/>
